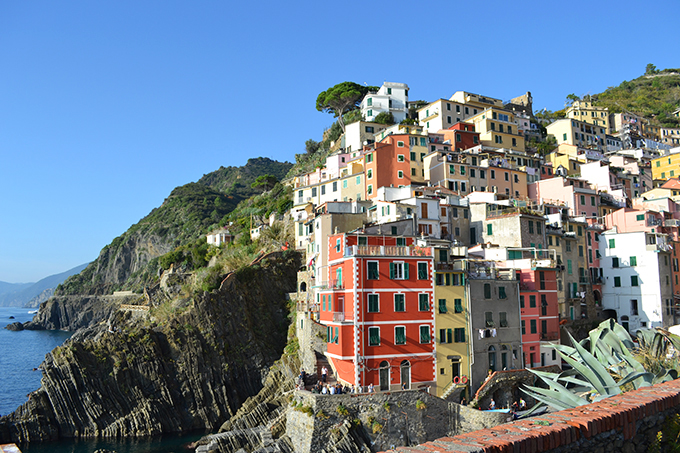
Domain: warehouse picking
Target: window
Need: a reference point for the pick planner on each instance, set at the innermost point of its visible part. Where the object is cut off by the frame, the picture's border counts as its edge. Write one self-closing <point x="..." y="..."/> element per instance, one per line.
<point x="640" y="217"/>
<point x="634" y="307"/>
<point x="532" y="301"/>
<point x="332" y="335"/>
<point x="489" y="229"/>
<point x="344" y="184"/>
<point x="422" y="271"/>
<point x="369" y="129"/>
<point x="423" y="302"/>
<point x="335" y="186"/>
<point x="424" y="334"/>
<point x="634" y="280"/>
<point x="373" y="303"/>
<point x="612" y="243"/>
<point x="617" y="282"/>
<point x="524" y="330"/>
<point x="501" y="292"/>
<point x="442" y="305"/>
<point x="633" y="261"/>
<point x="580" y="230"/>
<point x="531" y="227"/>
<point x="580" y="250"/>
<point x="401" y="242"/>
<point x="533" y="326"/>
<point x="400" y="174"/>
<point x="373" y="273"/>
<point x="374" y="336"/>
<point x="400" y="144"/>
<point x="493" y="174"/>
<point x="369" y="158"/>
<point x="399" y="271"/>
<point x="503" y="319"/>
<point x="444" y="336"/>
<point x="615" y="262"/>
<point x="369" y="103"/>
<point x="539" y="228"/>
<point x="323" y="190"/>
<point x="459" y="335"/>
<point x="488" y="317"/>
<point x="507" y="176"/>
<point x="592" y="201"/>
<point x="400" y="335"/>
<point x="521" y="301"/>
<point x="569" y="266"/>
<point x="399" y="302"/>
<point x="337" y="245"/>
<point x="487" y="291"/>
<point x="369" y="174"/>
<point x="458" y="306"/>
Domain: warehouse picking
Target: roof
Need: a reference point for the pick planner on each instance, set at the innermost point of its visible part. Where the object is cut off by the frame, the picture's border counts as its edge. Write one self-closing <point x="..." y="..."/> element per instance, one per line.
<point x="673" y="183"/>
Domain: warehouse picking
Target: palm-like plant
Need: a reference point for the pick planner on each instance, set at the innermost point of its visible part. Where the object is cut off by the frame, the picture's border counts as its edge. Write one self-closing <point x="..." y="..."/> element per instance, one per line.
<point x="605" y="364"/>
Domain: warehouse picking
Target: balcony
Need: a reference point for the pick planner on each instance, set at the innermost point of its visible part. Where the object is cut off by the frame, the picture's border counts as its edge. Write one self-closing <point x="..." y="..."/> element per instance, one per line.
<point x="339" y="316"/>
<point x="457" y="265"/>
<point x="388" y="250"/>
<point x="550" y="336"/>
<point x="583" y="280"/>
<point x="332" y="284"/>
<point x="671" y="223"/>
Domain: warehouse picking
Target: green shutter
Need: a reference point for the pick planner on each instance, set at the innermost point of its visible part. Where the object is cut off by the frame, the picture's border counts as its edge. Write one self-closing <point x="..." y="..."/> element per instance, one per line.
<point x="406" y="271"/>
<point x="392" y="270"/>
<point x="633" y="261"/>
<point x="458" y="305"/>
<point x="489" y="229"/>
<point x="423" y="302"/>
<point x="442" y="305"/>
<point x="448" y="335"/>
<point x="400" y="337"/>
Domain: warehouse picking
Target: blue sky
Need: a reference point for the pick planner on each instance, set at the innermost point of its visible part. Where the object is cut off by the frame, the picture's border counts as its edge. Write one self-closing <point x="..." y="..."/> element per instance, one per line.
<point x="105" y="107"/>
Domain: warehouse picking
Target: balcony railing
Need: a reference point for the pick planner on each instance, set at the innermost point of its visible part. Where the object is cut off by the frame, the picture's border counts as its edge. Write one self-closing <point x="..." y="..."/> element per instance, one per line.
<point x="671" y="223"/>
<point x="339" y="316"/>
<point x="332" y="284"/>
<point x="387" y="250"/>
<point x="550" y="336"/>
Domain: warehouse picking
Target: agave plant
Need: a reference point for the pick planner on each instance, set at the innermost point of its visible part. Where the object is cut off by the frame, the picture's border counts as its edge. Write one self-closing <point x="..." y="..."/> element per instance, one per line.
<point x="603" y="365"/>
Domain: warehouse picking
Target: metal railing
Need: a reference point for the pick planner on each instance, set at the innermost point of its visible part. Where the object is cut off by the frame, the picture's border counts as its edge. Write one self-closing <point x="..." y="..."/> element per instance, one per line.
<point x="387" y="250"/>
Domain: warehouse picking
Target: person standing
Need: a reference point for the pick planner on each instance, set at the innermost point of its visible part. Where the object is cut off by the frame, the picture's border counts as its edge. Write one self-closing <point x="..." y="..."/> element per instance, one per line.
<point x="324" y="374"/>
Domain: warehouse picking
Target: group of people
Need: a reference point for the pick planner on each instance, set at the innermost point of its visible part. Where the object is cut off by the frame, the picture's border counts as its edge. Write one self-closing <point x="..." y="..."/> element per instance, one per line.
<point x="521" y="406"/>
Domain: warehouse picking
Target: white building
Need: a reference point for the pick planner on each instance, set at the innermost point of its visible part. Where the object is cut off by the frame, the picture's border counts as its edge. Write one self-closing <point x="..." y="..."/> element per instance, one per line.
<point x="219" y="237"/>
<point x="391" y="97"/>
<point x="637" y="284"/>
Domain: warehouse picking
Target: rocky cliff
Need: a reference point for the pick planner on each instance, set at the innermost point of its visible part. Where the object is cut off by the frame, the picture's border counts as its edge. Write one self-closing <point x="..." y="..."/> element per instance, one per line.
<point x="183" y="365"/>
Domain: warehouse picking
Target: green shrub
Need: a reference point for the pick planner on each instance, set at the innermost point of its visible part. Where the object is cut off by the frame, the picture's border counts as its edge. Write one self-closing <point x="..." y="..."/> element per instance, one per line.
<point x="342" y="410"/>
<point x="420" y="405"/>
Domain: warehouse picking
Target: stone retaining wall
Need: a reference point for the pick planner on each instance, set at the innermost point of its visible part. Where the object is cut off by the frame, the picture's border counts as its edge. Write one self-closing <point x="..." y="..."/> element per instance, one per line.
<point x="628" y="422"/>
<point x="403" y="418"/>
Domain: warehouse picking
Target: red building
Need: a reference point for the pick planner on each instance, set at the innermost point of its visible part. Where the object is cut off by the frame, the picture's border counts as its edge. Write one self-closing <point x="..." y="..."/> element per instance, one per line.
<point x="462" y="136"/>
<point x="393" y="156"/>
<point x="378" y="307"/>
<point x="539" y="312"/>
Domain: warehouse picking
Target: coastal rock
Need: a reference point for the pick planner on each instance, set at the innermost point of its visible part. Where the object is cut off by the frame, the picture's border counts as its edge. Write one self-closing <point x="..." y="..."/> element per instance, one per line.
<point x="164" y="373"/>
<point x="15" y="326"/>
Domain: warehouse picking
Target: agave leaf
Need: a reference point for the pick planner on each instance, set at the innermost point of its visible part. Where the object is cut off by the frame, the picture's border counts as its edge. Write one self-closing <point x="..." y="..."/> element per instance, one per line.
<point x="557" y="396"/>
<point x="639" y="379"/>
<point x="593" y="370"/>
<point x="579" y="382"/>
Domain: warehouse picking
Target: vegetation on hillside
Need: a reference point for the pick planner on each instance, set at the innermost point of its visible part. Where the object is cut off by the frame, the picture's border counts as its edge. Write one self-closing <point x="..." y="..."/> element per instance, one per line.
<point x="177" y="227"/>
<point x="654" y="95"/>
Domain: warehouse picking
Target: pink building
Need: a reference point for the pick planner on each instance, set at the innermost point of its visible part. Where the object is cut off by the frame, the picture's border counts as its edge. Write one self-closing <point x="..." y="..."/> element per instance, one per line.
<point x="578" y="195"/>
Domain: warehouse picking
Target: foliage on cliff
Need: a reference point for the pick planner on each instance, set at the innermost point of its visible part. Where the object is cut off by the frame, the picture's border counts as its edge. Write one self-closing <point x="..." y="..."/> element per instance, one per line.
<point x="130" y="261"/>
<point x="654" y="95"/>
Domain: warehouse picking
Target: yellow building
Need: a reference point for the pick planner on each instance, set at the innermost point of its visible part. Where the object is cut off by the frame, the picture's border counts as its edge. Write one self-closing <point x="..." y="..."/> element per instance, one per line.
<point x="666" y="167"/>
<point x="498" y="129"/>
<point x="352" y="181"/>
<point x="588" y="113"/>
<point x="578" y="133"/>
<point x="451" y="308"/>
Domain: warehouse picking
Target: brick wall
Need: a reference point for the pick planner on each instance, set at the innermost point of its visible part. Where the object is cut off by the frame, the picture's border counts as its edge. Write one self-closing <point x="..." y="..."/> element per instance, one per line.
<point x="627" y="422"/>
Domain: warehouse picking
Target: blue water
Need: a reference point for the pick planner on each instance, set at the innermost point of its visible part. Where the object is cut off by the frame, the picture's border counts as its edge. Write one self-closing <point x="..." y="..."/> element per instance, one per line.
<point x="20" y="352"/>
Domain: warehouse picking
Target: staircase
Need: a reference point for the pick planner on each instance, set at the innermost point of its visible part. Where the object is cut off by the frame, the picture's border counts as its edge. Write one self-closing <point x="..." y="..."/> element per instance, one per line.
<point x="322" y="361"/>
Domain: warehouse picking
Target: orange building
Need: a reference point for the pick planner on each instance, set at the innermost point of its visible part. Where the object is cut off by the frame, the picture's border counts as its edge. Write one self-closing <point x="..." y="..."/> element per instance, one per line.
<point x="377" y="305"/>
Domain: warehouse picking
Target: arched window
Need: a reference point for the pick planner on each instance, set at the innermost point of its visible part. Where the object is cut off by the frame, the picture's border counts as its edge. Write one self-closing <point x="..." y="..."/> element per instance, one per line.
<point x="303" y="287"/>
<point x="384" y="375"/>
<point x="504" y="357"/>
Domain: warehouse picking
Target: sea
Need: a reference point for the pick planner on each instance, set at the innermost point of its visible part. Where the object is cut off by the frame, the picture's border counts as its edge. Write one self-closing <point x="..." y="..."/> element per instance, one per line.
<point x="21" y="353"/>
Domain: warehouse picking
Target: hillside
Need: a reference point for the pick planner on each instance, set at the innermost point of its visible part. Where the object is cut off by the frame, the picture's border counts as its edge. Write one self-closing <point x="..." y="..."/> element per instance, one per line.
<point x="189" y="212"/>
<point x="45" y="286"/>
<point x="654" y="95"/>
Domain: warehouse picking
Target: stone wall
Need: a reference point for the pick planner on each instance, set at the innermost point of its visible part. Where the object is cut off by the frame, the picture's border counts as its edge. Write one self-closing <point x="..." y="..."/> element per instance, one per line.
<point x="628" y="422"/>
<point x="371" y="422"/>
<point x="312" y="338"/>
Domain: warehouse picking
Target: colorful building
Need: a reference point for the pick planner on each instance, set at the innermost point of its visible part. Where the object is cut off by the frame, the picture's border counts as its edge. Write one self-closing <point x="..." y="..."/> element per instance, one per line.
<point x="377" y="304"/>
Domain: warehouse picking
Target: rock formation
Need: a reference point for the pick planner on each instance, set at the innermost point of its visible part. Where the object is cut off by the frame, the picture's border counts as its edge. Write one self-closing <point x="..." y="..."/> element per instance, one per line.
<point x="172" y="370"/>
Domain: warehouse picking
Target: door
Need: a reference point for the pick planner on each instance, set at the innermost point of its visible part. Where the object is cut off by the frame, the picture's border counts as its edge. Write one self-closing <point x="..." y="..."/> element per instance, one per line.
<point x="384" y="376"/>
<point x="405" y="375"/>
<point x="473" y="235"/>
